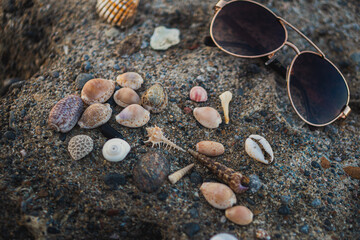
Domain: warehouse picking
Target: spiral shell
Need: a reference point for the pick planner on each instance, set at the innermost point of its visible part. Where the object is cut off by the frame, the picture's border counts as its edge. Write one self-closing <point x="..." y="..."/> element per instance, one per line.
<point x="80" y="146"/>
<point x="176" y="176"/>
<point x="65" y="114"/>
<point x="133" y="116"/>
<point x="126" y="96"/>
<point x="97" y="91"/>
<point x="198" y="94"/>
<point x="115" y="150"/>
<point x="218" y="195"/>
<point x="155" y="99"/>
<point x="131" y="80"/>
<point x="207" y="116"/>
<point x="118" y="12"/>
<point x="95" y="115"/>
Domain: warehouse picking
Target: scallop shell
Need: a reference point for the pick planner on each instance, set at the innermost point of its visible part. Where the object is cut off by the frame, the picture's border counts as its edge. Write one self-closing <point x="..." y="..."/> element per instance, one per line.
<point x="155" y="99"/>
<point x="80" y="146"/>
<point x="65" y="114"/>
<point x="115" y="150"/>
<point x="240" y="215"/>
<point x="126" y="96"/>
<point x="259" y="149"/>
<point x="176" y="176"/>
<point x="131" y="80"/>
<point x="118" y="12"/>
<point x="207" y="116"/>
<point x="210" y="148"/>
<point x="198" y="94"/>
<point x="95" y="115"/>
<point x="218" y="195"/>
<point x="133" y="116"/>
<point x="97" y="91"/>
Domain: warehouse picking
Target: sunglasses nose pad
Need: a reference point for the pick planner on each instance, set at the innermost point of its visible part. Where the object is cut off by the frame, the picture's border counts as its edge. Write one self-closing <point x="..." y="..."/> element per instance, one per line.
<point x="272" y="58"/>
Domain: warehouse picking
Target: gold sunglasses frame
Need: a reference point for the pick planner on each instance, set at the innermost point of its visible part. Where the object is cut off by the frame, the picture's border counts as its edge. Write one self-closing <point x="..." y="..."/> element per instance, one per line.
<point x="345" y="112"/>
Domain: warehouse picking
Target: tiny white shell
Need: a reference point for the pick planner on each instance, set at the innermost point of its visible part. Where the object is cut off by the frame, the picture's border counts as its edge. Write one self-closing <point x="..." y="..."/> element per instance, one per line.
<point x="259" y="149"/>
<point x="207" y="116"/>
<point x="218" y="195"/>
<point x="115" y="150"/>
<point x="223" y="236"/>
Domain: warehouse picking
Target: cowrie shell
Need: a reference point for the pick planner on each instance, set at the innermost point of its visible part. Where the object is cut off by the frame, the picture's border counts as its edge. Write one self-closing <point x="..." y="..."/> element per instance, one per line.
<point x="259" y="149"/>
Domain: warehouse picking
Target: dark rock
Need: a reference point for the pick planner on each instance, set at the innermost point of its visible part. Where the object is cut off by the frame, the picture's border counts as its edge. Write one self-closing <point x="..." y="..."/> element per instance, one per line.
<point x="315" y="164"/>
<point x="113" y="180"/>
<point x="53" y="230"/>
<point x="162" y="196"/>
<point x="191" y="229"/>
<point x="307" y="173"/>
<point x="254" y="184"/>
<point x="109" y="132"/>
<point x="196" y="178"/>
<point x="81" y="79"/>
<point x="131" y="44"/>
<point x="62" y="137"/>
<point x="304" y="229"/>
<point x="284" y="210"/>
<point x="194" y="212"/>
<point x="316" y="202"/>
<point x="10" y="135"/>
<point x="250" y="201"/>
<point x="117" y="67"/>
<point x="87" y="66"/>
<point x="55" y="74"/>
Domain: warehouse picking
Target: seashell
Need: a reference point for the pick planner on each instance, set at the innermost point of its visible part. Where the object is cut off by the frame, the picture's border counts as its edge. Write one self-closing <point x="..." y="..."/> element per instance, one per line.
<point x="155" y="99"/>
<point x="225" y="100"/>
<point x="109" y="132"/>
<point x="65" y="114"/>
<point x="126" y="96"/>
<point x="198" y="94"/>
<point x="115" y="150"/>
<point x="156" y="137"/>
<point x="95" y="115"/>
<point x="207" y="116"/>
<point x="223" y="236"/>
<point x="118" y="12"/>
<point x="133" y="116"/>
<point x="240" y="215"/>
<point x="80" y="146"/>
<point x="176" y="176"/>
<point x="353" y="172"/>
<point x="97" y="91"/>
<point x="262" y="234"/>
<point x="210" y="148"/>
<point x="235" y="180"/>
<point x="131" y="80"/>
<point x="259" y="149"/>
<point x="218" y="195"/>
<point x="163" y="38"/>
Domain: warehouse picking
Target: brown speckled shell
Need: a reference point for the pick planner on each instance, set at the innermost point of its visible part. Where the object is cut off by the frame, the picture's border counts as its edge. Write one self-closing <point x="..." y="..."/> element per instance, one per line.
<point x="210" y="148"/>
<point x="95" y="115"/>
<point x="80" y="146"/>
<point x="155" y="99"/>
<point x="97" y="91"/>
<point x="65" y="114"/>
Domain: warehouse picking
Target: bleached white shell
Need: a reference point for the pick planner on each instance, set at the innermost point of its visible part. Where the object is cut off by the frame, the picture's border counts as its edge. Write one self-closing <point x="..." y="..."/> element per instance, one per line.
<point x="207" y="116"/>
<point x="80" y="146"/>
<point x="115" y="150"/>
<point x="223" y="236"/>
<point x="133" y="116"/>
<point x="218" y="195"/>
<point x="259" y="149"/>
<point x="163" y="38"/>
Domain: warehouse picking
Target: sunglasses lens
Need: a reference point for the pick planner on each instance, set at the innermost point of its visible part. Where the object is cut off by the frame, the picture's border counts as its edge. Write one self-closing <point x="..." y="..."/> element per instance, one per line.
<point x="247" y="29"/>
<point x="317" y="89"/>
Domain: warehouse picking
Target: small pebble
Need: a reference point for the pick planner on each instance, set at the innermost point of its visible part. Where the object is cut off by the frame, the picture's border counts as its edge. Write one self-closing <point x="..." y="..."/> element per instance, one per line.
<point x="81" y="79"/>
<point x="285" y="199"/>
<point x="55" y="74"/>
<point x="315" y="164"/>
<point x="191" y="229"/>
<point x="284" y="210"/>
<point x="87" y="66"/>
<point x="325" y="162"/>
<point x="113" y="180"/>
<point x="353" y="172"/>
<point x="196" y="178"/>
<point x="10" y="135"/>
<point x="316" y="202"/>
<point x="307" y="173"/>
<point x="117" y="67"/>
<point x="194" y="213"/>
<point x="304" y="229"/>
<point x="255" y="183"/>
<point x="162" y="196"/>
<point x="86" y="57"/>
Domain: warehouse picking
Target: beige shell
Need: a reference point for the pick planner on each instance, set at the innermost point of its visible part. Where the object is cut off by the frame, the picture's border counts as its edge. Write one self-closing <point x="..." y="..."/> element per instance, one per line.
<point x="131" y="80"/>
<point x="218" y="195"/>
<point x="80" y="146"/>
<point x="126" y="96"/>
<point x="210" y="148"/>
<point x="133" y="116"/>
<point x="207" y="116"/>
<point x="176" y="176"/>
<point x="95" y="115"/>
<point x="225" y="100"/>
<point x="97" y="91"/>
<point x="155" y="99"/>
<point x="240" y="215"/>
<point x="198" y="94"/>
<point x="118" y="12"/>
<point x="259" y="149"/>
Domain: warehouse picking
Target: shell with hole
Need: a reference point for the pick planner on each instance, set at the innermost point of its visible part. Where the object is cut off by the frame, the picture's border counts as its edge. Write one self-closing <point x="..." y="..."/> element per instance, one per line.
<point x="115" y="150"/>
<point x="126" y="96"/>
<point x="259" y="149"/>
<point x="97" y="91"/>
<point x="133" y="116"/>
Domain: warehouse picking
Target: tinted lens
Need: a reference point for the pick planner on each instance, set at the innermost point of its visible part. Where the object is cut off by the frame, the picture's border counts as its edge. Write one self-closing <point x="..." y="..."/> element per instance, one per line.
<point x="317" y="89"/>
<point x="247" y="29"/>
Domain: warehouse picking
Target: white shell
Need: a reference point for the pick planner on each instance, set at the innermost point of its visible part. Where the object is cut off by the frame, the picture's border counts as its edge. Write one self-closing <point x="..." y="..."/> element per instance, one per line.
<point x="259" y="149"/>
<point x="223" y="236"/>
<point x="218" y="195"/>
<point x="163" y="38"/>
<point x="115" y="150"/>
<point x="176" y="176"/>
<point x="225" y="100"/>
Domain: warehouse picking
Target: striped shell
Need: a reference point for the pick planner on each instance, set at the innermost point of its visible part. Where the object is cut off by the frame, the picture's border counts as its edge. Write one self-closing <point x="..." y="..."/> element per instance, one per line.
<point x="118" y="12"/>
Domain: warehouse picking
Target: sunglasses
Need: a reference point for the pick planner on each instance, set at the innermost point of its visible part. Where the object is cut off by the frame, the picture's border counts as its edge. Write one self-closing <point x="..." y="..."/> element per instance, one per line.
<point x="317" y="90"/>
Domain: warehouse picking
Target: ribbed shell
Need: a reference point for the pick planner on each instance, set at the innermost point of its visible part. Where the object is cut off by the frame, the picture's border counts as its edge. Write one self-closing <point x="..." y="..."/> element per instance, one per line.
<point x="117" y="12"/>
<point x="155" y="99"/>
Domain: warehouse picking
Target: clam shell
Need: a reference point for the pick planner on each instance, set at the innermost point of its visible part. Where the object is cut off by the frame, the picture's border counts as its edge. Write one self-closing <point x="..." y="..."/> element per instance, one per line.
<point x="207" y="116"/>
<point x="133" y="116"/>
<point x="126" y="96"/>
<point x="97" y="91"/>
<point x="240" y="215"/>
<point x="155" y="99"/>
<point x="118" y="12"/>
<point x="218" y="195"/>
<point x="80" y="146"/>
<point x="95" y="115"/>
<point x="259" y="149"/>
<point x="65" y="114"/>
<point x="115" y="150"/>
<point x="131" y="80"/>
<point x="210" y="148"/>
<point x="198" y="94"/>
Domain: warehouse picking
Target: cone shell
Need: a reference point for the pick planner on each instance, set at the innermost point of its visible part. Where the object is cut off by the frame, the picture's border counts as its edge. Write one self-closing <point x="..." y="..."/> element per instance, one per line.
<point x="155" y="99"/>
<point x="65" y="114"/>
<point x="240" y="215"/>
<point x="117" y="12"/>
<point x="97" y="91"/>
<point x="133" y="116"/>
<point x="131" y="80"/>
<point x="126" y="96"/>
<point x="207" y="116"/>
<point x="115" y="150"/>
<point x="198" y="94"/>
<point x="218" y="195"/>
<point x="80" y="146"/>
<point x="210" y="148"/>
<point x="95" y="115"/>
<point x="176" y="176"/>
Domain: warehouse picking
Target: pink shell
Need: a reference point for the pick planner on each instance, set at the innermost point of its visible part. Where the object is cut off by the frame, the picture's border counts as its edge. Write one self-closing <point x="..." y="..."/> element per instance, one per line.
<point x="65" y="114"/>
<point x="198" y="94"/>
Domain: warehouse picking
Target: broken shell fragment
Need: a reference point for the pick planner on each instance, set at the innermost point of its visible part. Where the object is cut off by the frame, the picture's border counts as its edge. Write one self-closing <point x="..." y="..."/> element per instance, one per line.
<point x="207" y="116"/>
<point x="97" y="91"/>
<point x="218" y="195"/>
<point x="95" y="115"/>
<point x="240" y="215"/>
<point x="133" y="116"/>
<point x="163" y="38"/>
<point x="131" y="80"/>
<point x="126" y="96"/>
<point x="210" y="148"/>
<point x="198" y="94"/>
<point x="80" y="146"/>
<point x="259" y="149"/>
<point x="115" y="150"/>
<point x="225" y="100"/>
<point x="176" y="176"/>
<point x="155" y="99"/>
